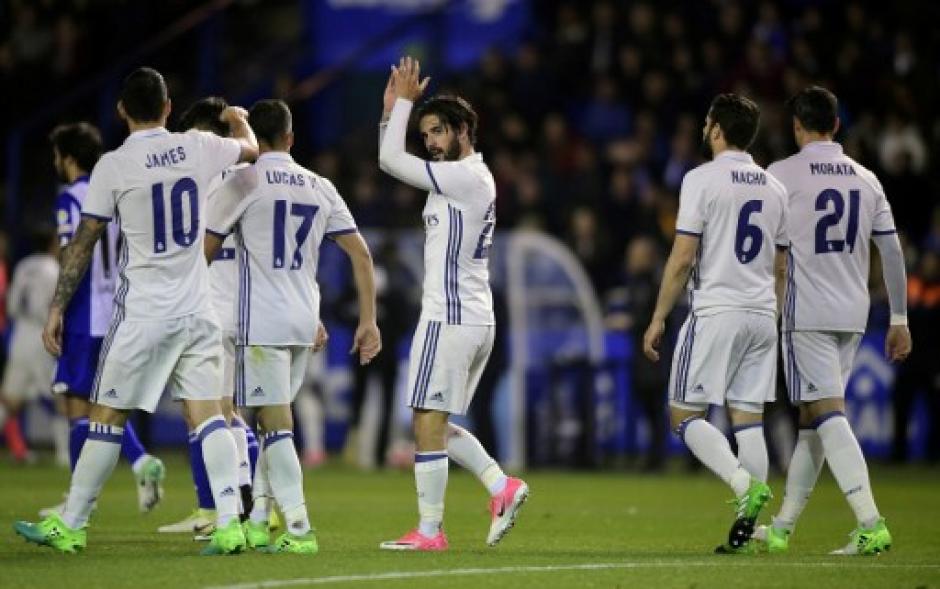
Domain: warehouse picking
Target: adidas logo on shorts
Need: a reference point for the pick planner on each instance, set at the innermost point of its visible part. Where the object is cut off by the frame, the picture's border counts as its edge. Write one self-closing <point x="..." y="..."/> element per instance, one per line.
<point x="111" y="394"/>
<point x="258" y="392"/>
<point x="438" y="396"/>
<point x="227" y="492"/>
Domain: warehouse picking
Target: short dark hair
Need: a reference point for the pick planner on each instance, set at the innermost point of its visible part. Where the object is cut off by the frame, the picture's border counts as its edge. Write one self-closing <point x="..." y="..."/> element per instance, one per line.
<point x="453" y="111"/>
<point x="81" y="141"/>
<point x="204" y="115"/>
<point x="816" y="108"/>
<point x="144" y="94"/>
<point x="738" y="117"/>
<point x="270" y="119"/>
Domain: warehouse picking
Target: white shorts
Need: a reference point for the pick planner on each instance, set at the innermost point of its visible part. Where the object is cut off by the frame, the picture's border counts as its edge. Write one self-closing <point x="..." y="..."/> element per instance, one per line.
<point x="139" y="359"/>
<point x="269" y="375"/>
<point x="228" y="365"/>
<point x="817" y="364"/>
<point x="27" y="377"/>
<point x="446" y="363"/>
<point x="727" y="357"/>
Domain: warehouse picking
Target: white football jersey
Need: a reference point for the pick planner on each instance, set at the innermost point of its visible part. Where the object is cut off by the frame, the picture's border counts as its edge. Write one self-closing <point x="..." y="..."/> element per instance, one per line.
<point x="278" y="213"/>
<point x="459" y="220"/>
<point x="155" y="185"/>
<point x="835" y="205"/>
<point x="223" y="272"/>
<point x="28" y="299"/>
<point x="738" y="211"/>
<point x="89" y="312"/>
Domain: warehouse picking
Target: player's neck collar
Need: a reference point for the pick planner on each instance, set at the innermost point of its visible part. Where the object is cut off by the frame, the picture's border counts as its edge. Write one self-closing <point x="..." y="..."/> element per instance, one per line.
<point x="823" y="144"/>
<point x="82" y="178"/>
<point x="735" y="154"/>
<point x="151" y="132"/>
<point x="281" y="156"/>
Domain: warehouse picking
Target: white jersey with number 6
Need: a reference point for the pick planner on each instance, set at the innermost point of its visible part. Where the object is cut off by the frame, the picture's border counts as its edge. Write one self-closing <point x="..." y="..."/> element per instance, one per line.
<point x="155" y="184"/>
<point x="836" y="205"/>
<point x="738" y="211"/>
<point x="279" y="213"/>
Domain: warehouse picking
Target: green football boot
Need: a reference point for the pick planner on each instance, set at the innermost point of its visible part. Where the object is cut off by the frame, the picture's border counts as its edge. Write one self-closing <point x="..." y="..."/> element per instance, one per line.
<point x="150" y="484"/>
<point x="772" y="539"/>
<point x="227" y="540"/>
<point x="287" y="543"/>
<point x="257" y="535"/>
<point x="747" y="508"/>
<point x="53" y="532"/>
<point x="866" y="542"/>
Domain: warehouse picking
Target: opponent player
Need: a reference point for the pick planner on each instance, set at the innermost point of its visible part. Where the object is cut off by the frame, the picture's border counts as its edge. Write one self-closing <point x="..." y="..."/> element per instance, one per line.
<point x="163" y="333"/>
<point x="29" y="370"/>
<point x="76" y="148"/>
<point x="204" y="115"/>
<point x="836" y="208"/>
<point x="730" y="237"/>
<point x="279" y="213"/>
<point x="455" y="332"/>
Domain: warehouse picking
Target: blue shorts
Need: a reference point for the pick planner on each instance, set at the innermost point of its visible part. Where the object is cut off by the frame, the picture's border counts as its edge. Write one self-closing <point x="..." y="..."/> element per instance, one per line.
<point x="75" y="372"/>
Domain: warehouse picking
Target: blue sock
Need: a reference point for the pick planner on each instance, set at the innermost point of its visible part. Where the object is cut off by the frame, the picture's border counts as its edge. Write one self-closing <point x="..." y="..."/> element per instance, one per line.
<point x="78" y="433"/>
<point x="131" y="447"/>
<point x="200" y="476"/>
<point x="253" y="449"/>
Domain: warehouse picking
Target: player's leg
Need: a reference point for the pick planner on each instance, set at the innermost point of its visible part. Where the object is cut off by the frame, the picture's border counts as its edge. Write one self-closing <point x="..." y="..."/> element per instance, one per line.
<point x="430" y="392"/>
<point x="201" y="522"/>
<point x="12" y="398"/>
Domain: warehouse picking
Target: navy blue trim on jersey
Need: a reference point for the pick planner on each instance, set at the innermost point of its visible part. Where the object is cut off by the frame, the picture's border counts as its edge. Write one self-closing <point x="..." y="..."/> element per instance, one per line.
<point x="685" y="353"/>
<point x="244" y="290"/>
<point x="885" y="232"/>
<point x="120" y="311"/>
<point x="338" y="232"/>
<point x="217" y="234"/>
<point x="437" y="188"/>
<point x="789" y="323"/>
<point x="688" y="359"/>
<point x="240" y="398"/>
<point x="689" y="233"/>
<point x="451" y="267"/>
<point x="97" y="217"/>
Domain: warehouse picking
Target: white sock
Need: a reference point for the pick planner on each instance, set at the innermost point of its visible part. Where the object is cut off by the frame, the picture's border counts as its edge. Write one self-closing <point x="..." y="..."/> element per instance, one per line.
<point x="431" y="483"/>
<point x="261" y="490"/>
<point x="241" y="447"/>
<point x="286" y="480"/>
<point x="95" y="465"/>
<point x="138" y="464"/>
<point x="465" y="449"/>
<point x="807" y="461"/>
<point x="712" y="449"/>
<point x="848" y="466"/>
<point x="60" y="437"/>
<point x="752" y="450"/>
<point x="218" y="453"/>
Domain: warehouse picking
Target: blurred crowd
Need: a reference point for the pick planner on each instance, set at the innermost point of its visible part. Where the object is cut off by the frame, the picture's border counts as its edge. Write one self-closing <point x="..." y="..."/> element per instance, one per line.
<point x="590" y="122"/>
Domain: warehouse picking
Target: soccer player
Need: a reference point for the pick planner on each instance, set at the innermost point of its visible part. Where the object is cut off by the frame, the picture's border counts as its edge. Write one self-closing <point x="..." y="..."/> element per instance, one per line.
<point x="729" y="248"/>
<point x="76" y="148"/>
<point x="30" y="368"/>
<point x="204" y="115"/>
<point x="163" y="334"/>
<point x="280" y="213"/>
<point x="836" y="208"/>
<point x="455" y="332"/>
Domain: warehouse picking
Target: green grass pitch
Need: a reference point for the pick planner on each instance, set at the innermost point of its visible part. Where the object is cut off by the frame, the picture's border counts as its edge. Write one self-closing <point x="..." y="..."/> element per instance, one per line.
<point x="578" y="530"/>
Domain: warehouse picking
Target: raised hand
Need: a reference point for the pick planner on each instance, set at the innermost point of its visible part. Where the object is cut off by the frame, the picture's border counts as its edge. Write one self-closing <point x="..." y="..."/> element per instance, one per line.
<point x="407" y="81"/>
<point x="388" y="98"/>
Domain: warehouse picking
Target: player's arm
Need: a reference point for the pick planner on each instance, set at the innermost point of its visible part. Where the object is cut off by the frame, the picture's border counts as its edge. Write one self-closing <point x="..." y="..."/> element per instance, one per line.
<point x="367" y="340"/>
<point x="211" y="245"/>
<point x="780" y="276"/>
<point x="898" y="343"/>
<point x="241" y="131"/>
<point x="226" y="206"/>
<point x="75" y="260"/>
<point x="675" y="276"/>
<point x="402" y="90"/>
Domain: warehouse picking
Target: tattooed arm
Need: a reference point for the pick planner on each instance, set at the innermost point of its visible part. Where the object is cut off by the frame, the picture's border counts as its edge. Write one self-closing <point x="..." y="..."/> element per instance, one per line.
<point x="74" y="263"/>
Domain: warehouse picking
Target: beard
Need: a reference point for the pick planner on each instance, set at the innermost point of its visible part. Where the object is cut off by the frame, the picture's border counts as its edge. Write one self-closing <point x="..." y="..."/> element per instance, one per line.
<point x="451" y="153"/>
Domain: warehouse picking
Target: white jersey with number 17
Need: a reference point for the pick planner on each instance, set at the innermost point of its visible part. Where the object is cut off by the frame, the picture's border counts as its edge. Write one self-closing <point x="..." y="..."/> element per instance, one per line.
<point x="279" y="213"/>
<point x="738" y="211"/>
<point x="155" y="185"/>
<point x="836" y="205"/>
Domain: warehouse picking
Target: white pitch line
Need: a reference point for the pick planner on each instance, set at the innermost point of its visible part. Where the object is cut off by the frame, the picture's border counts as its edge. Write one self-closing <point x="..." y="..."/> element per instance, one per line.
<point x="394" y="575"/>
